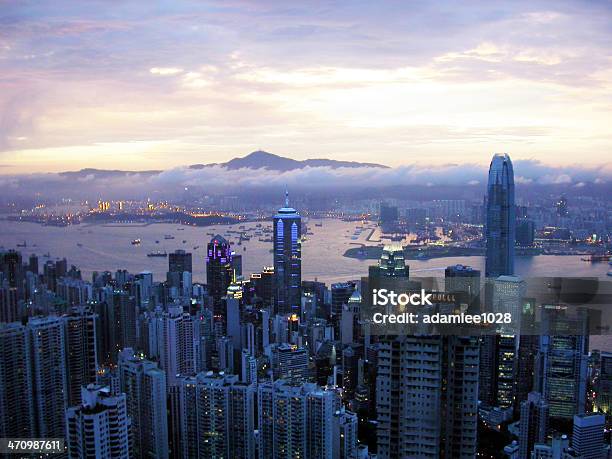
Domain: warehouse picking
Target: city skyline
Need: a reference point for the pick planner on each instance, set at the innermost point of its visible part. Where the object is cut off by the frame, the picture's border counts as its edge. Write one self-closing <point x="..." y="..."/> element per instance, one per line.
<point x="119" y="87"/>
<point x="277" y="361"/>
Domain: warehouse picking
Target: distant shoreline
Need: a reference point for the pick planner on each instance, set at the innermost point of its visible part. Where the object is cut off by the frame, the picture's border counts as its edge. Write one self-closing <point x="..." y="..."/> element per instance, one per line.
<point x="428" y="253"/>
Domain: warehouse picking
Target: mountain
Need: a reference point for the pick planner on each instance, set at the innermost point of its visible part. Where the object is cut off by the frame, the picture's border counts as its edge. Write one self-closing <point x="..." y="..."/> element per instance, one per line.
<point x="264" y="160"/>
<point x="256" y="160"/>
<point x="105" y="173"/>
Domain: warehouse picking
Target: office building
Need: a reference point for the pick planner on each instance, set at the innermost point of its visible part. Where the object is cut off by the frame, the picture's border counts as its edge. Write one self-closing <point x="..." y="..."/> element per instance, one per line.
<point x="219" y="271"/>
<point x="561" y="374"/>
<point x="287" y="259"/>
<point x="588" y="436"/>
<point x="289" y="362"/>
<point x="340" y="295"/>
<point x="500" y="218"/>
<point x="533" y="423"/>
<point x="464" y="282"/>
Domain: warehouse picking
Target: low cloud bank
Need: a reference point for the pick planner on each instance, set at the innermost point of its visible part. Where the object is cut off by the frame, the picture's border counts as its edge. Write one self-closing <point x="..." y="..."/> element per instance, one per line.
<point x="215" y="179"/>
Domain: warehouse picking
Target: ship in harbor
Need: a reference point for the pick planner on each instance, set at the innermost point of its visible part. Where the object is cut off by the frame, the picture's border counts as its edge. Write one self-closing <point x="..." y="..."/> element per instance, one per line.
<point x="157" y="254"/>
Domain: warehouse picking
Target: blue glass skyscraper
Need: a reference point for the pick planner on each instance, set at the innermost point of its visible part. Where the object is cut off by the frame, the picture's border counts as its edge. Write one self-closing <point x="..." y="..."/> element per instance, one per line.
<point x="500" y="218"/>
<point x="287" y="259"/>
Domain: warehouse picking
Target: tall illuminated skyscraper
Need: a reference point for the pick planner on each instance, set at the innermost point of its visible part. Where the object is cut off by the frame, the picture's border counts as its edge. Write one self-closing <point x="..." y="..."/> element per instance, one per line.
<point x="287" y="259"/>
<point x="500" y="218"/>
<point x="219" y="271"/>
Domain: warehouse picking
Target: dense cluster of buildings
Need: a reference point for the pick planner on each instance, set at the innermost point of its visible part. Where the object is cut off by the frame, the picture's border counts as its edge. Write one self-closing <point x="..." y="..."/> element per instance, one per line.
<point x="270" y="365"/>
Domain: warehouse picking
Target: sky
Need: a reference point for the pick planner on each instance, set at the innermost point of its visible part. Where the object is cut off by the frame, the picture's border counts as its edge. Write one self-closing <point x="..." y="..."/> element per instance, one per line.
<point x="158" y="85"/>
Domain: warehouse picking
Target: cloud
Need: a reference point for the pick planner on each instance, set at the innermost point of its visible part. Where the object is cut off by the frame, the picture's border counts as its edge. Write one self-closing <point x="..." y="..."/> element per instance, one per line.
<point x="218" y="179"/>
<point x="402" y="82"/>
<point x="165" y="71"/>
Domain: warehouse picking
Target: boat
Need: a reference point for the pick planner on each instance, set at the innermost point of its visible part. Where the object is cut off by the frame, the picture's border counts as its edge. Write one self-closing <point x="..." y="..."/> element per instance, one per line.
<point x="319" y="224"/>
<point x="47" y="255"/>
<point x="79" y="244"/>
<point x="184" y="241"/>
<point x="180" y="229"/>
<point x="168" y="236"/>
<point x="157" y="254"/>
<point x="136" y="242"/>
<point x="196" y="247"/>
<point x="23" y="244"/>
<point x="157" y="242"/>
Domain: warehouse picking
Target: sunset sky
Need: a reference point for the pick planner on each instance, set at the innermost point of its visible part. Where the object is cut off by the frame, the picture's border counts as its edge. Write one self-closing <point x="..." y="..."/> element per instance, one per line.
<point x="143" y="85"/>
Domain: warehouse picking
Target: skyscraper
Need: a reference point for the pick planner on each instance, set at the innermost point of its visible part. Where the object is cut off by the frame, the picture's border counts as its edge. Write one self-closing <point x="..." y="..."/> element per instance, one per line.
<point x="533" y="423"/>
<point x="177" y="347"/>
<point x="47" y="351"/>
<point x="297" y="420"/>
<point x="562" y="361"/>
<point x="99" y="427"/>
<point x="219" y="271"/>
<point x="16" y="401"/>
<point x="340" y="294"/>
<point x="588" y="435"/>
<point x="180" y="261"/>
<point x="287" y="259"/>
<point x="500" y="218"/>
<point x="427" y="397"/>
<point x="563" y="374"/>
<point x="80" y="327"/>
<point x="391" y="264"/>
<point x="144" y="385"/>
<point x="288" y="362"/>
<point x="180" y="270"/>
<point x="217" y="417"/>
<point x="464" y="282"/>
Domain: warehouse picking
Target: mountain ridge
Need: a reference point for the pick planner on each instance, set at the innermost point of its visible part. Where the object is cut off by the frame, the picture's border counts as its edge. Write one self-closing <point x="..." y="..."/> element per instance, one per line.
<point x="260" y="159"/>
<point x="255" y="160"/>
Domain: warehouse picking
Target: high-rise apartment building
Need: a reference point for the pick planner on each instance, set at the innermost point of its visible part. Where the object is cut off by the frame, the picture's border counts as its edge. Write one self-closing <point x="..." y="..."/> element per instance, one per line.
<point x="427" y="397"/>
<point x="49" y="375"/>
<point x="144" y="386"/>
<point x="99" y="427"/>
<point x="16" y="393"/>
<point x="217" y="415"/>
<point x="81" y="328"/>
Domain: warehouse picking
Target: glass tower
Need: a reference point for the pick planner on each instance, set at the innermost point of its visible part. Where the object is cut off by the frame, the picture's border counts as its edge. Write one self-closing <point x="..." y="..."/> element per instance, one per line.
<point x="287" y="259"/>
<point x="500" y="218"/>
